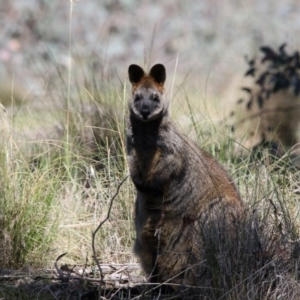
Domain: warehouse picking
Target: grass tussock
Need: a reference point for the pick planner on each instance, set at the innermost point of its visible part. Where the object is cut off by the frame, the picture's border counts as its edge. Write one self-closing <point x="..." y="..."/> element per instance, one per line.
<point x="27" y="222"/>
<point x="252" y="261"/>
<point x="27" y="199"/>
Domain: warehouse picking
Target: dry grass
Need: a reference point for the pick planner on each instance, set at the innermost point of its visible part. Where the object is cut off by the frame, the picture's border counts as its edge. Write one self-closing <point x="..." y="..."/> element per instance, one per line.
<point x="62" y="158"/>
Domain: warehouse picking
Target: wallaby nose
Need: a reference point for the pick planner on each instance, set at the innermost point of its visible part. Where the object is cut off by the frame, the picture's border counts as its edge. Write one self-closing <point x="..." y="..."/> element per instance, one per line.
<point x="145" y="112"/>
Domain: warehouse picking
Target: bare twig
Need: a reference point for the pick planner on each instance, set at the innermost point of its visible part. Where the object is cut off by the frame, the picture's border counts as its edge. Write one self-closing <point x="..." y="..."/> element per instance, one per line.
<point x="59" y="271"/>
<point x="101" y="223"/>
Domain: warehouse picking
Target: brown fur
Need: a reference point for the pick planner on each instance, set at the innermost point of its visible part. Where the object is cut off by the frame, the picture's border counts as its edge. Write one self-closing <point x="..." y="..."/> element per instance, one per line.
<point x="179" y="186"/>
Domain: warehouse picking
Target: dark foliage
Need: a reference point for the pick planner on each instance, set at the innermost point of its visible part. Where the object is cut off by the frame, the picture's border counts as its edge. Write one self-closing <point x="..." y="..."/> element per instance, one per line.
<point x="275" y="116"/>
<point x="280" y="72"/>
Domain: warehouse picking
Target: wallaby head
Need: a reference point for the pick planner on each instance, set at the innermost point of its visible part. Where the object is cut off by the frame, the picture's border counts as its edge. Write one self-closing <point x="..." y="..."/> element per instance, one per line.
<point x="148" y="101"/>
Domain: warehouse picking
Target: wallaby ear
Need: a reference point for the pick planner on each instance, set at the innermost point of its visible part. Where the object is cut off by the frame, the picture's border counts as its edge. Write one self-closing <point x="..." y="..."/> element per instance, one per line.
<point x="158" y="73"/>
<point x="136" y="73"/>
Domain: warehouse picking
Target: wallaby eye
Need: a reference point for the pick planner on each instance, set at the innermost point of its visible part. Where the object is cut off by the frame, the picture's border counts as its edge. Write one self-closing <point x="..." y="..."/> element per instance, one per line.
<point x="137" y="98"/>
<point x="155" y="98"/>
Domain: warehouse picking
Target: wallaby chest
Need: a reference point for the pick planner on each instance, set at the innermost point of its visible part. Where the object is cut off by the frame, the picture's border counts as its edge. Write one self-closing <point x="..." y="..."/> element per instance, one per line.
<point x="146" y="155"/>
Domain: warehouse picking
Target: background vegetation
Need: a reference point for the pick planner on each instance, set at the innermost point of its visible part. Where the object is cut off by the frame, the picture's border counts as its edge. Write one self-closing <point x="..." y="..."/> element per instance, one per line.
<point x="63" y="94"/>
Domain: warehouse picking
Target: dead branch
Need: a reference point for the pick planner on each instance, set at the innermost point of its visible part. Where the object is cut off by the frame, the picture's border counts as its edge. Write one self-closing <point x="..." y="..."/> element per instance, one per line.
<point x="58" y="270"/>
<point x="100" y="225"/>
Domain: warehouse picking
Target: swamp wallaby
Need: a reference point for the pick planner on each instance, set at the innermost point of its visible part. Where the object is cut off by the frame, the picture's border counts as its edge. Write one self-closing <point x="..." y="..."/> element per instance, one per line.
<point x="179" y="186"/>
